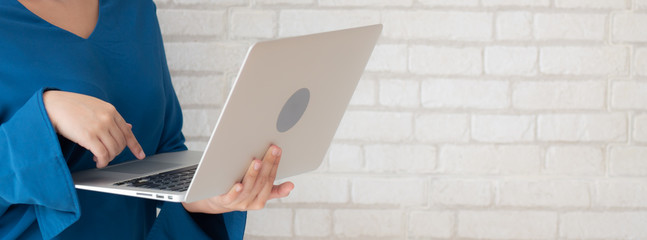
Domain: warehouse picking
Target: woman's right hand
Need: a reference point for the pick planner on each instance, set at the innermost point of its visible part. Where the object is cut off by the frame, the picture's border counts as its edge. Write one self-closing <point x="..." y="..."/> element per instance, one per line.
<point x="92" y="123"/>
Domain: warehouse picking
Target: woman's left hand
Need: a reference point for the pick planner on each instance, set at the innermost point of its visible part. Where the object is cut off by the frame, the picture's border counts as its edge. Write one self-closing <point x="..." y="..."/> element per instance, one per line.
<point x="252" y="193"/>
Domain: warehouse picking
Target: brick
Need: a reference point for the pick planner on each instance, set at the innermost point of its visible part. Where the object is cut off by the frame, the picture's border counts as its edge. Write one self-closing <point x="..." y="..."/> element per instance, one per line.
<point x="503" y="128"/>
<point x="304" y="21"/>
<point x="640" y="128"/>
<point x="488" y="159"/>
<point x="199" y="122"/>
<point x="445" y="60"/>
<point x="400" y="93"/>
<point x="443" y="3"/>
<point x="575" y="160"/>
<point x="388" y="58"/>
<point x="284" y="2"/>
<point x="603" y="60"/>
<point x="583" y="127"/>
<point x="544" y="193"/>
<point x="629" y="95"/>
<point x="210" y="90"/>
<point x="191" y="22"/>
<point x="365" y="93"/>
<point x="367" y="222"/>
<point x="442" y="128"/>
<point x="445" y="93"/>
<point x="507" y="224"/>
<point x="375" y="126"/>
<point x="595" y="4"/>
<point x="438" y="224"/>
<point x="196" y="145"/>
<point x="552" y="95"/>
<point x="253" y="23"/>
<point x="570" y="26"/>
<point x="640" y="61"/>
<point x="629" y="27"/>
<point x="270" y="222"/>
<point x="603" y="225"/>
<point x="198" y="56"/>
<point x="365" y="3"/>
<point x="345" y="158"/>
<point x="514" y="26"/>
<point x="628" y="161"/>
<point x="212" y="2"/>
<point x="511" y="60"/>
<point x="400" y="158"/>
<point x="438" y="25"/>
<point x="527" y="3"/>
<point x="461" y="192"/>
<point x="311" y="188"/>
<point x="640" y="4"/>
<point x="395" y="191"/>
<point x="313" y="222"/>
<point x="622" y="193"/>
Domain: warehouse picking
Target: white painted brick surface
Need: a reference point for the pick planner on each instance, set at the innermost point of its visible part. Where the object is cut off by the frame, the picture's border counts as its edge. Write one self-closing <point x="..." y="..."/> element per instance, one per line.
<point x="629" y="95"/>
<point x="388" y="58"/>
<point x="313" y="223"/>
<point x="191" y="22"/>
<point x="627" y="194"/>
<point x="628" y="161"/>
<point x="448" y="25"/>
<point x="318" y="188"/>
<point x="544" y="193"/>
<point x="461" y="192"/>
<point x="497" y="160"/>
<point x="394" y="191"/>
<point x="595" y="4"/>
<point x="439" y="128"/>
<point x="458" y="93"/>
<point x="253" y="23"/>
<point x="400" y="93"/>
<point x="514" y="25"/>
<point x="603" y="225"/>
<point x="559" y="95"/>
<point x="488" y="119"/>
<point x="600" y="60"/>
<point x="431" y="224"/>
<point x="507" y="224"/>
<point x="445" y="60"/>
<point x="305" y="21"/>
<point x="378" y="126"/>
<point x="503" y="129"/>
<point x="549" y="26"/>
<point x="345" y="157"/>
<point x="575" y="160"/>
<point x="367" y="222"/>
<point x="640" y="128"/>
<point x="511" y="60"/>
<point x="584" y="127"/>
<point x="640" y="61"/>
<point x="276" y="222"/>
<point x="628" y="27"/>
<point x="400" y="158"/>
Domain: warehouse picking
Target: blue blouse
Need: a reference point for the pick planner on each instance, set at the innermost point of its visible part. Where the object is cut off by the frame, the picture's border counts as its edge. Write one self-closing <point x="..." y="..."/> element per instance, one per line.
<point x="123" y="63"/>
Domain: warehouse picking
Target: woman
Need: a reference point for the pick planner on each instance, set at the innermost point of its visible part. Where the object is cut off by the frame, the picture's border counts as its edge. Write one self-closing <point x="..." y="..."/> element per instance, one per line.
<point x="80" y="81"/>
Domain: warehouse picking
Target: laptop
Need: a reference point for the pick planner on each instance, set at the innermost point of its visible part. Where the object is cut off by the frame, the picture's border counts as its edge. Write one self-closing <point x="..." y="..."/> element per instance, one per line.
<point x="291" y="92"/>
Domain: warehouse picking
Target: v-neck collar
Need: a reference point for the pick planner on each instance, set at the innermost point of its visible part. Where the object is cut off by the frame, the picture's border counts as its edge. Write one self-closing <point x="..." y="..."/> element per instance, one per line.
<point x="94" y="31"/>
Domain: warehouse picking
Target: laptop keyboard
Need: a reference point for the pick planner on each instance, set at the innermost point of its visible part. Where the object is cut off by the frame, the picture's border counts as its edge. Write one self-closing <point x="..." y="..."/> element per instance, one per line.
<point x="175" y="180"/>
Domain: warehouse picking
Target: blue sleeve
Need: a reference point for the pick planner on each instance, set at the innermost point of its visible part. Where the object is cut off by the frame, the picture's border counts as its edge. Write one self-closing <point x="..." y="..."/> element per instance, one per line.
<point x="35" y="182"/>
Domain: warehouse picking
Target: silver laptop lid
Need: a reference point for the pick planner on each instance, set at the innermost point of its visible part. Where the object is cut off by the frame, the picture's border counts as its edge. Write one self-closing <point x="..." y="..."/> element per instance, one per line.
<point x="291" y="92"/>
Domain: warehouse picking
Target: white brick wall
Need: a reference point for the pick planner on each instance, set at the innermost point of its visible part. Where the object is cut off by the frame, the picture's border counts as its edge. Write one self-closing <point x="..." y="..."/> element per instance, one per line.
<point x="475" y="119"/>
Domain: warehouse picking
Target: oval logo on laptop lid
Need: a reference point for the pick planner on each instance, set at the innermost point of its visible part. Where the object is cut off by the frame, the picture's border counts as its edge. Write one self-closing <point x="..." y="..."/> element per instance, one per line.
<point x="293" y="110"/>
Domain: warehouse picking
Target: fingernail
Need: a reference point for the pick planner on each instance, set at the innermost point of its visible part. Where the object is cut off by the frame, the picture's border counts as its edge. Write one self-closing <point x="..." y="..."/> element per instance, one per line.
<point x="238" y="188"/>
<point x="141" y="154"/>
<point x="276" y="152"/>
<point x="257" y="166"/>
